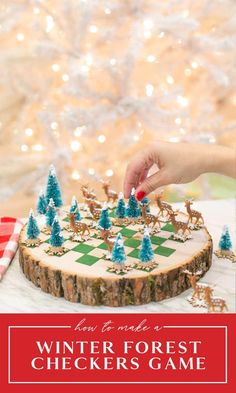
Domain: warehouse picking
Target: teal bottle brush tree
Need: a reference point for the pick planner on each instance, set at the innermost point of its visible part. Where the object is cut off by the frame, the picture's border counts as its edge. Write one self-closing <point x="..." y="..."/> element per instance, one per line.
<point x="56" y="240"/>
<point x="42" y="203"/>
<point x="53" y="188"/>
<point x="118" y="257"/>
<point x="133" y="210"/>
<point x="32" y="231"/>
<point x="121" y="210"/>
<point x="146" y="254"/>
<point x="104" y="223"/>
<point x="74" y="208"/>
<point x="50" y="215"/>
<point x="225" y="246"/>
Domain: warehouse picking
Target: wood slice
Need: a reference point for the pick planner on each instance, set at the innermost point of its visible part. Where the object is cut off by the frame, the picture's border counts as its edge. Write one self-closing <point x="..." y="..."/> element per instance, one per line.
<point x="94" y="285"/>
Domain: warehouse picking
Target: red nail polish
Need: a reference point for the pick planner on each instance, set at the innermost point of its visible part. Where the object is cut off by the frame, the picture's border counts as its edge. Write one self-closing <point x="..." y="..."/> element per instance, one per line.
<point x="140" y="195"/>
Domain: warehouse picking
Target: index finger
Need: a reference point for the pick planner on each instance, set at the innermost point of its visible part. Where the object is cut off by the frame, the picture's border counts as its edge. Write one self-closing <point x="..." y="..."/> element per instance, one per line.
<point x="135" y="169"/>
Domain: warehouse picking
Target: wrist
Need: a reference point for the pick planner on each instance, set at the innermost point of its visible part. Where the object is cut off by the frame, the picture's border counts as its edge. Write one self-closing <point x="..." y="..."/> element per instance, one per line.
<point x="219" y="159"/>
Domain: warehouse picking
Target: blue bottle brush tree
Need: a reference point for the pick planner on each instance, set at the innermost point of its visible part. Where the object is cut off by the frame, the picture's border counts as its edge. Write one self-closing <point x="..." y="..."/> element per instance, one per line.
<point x="56" y="238"/>
<point x="104" y="222"/>
<point x="74" y="208"/>
<point x="32" y="227"/>
<point x="133" y="209"/>
<point x="50" y="213"/>
<point x="42" y="203"/>
<point x="121" y="208"/>
<point x="118" y="251"/>
<point x="146" y="253"/>
<point x="53" y="188"/>
<point x="225" y="243"/>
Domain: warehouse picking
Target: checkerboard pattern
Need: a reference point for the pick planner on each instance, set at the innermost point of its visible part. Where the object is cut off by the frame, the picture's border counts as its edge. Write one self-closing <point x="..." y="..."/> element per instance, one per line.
<point x="93" y="251"/>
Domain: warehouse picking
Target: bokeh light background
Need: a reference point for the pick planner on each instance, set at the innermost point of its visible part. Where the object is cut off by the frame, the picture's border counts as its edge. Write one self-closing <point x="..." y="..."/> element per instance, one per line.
<point x="84" y="84"/>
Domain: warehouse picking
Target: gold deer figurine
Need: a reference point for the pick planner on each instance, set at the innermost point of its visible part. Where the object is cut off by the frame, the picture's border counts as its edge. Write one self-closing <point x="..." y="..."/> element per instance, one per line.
<point x="149" y="218"/>
<point x="109" y="242"/>
<point x="77" y="227"/>
<point x="198" y="288"/>
<point x="95" y="213"/>
<point x="181" y="228"/>
<point x="214" y="304"/>
<point x="193" y="214"/>
<point x="162" y="206"/>
<point x="111" y="195"/>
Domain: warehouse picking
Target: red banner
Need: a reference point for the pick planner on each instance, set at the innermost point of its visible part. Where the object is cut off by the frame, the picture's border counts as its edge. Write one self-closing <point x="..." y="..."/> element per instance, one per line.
<point x="177" y="351"/>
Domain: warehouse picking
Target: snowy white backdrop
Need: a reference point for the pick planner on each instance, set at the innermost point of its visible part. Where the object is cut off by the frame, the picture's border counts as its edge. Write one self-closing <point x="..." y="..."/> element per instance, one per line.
<point x="86" y="83"/>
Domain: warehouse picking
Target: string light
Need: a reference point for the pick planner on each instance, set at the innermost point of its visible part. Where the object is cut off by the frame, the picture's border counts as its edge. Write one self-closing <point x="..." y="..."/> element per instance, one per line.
<point x="89" y="59"/>
<point x="161" y="34"/>
<point x="112" y="61"/>
<point x="20" y="37"/>
<point x="148" y="23"/>
<point x="24" y="148"/>
<point x="36" y="10"/>
<point x="183" y="101"/>
<point x="149" y="90"/>
<point x="102" y="139"/>
<point x="109" y="172"/>
<point x="65" y="77"/>
<point x="136" y="138"/>
<point x="151" y="58"/>
<point x="194" y="65"/>
<point x="93" y="29"/>
<point x="79" y="130"/>
<point x="91" y="171"/>
<point x="75" y="145"/>
<point x="185" y="13"/>
<point x="107" y="11"/>
<point x="170" y="80"/>
<point x="49" y="23"/>
<point x="37" y="147"/>
<point x="54" y="125"/>
<point x="147" y="34"/>
<point x="178" y="121"/>
<point x="75" y="175"/>
<point x="55" y="67"/>
<point x="28" y="132"/>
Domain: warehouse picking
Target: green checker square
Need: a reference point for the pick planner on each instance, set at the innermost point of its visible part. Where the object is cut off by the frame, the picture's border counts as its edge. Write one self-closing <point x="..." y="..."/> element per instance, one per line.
<point x="103" y="246"/>
<point x="66" y="219"/>
<point x="88" y="260"/>
<point x="113" y="213"/>
<point x="158" y="240"/>
<point x="168" y="227"/>
<point x="128" y="232"/>
<point x="83" y="248"/>
<point x="134" y="253"/>
<point x="164" y="251"/>
<point x="130" y="242"/>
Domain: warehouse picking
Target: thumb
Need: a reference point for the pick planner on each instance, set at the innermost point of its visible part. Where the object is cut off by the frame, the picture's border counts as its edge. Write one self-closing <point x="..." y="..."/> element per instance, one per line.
<point x="152" y="182"/>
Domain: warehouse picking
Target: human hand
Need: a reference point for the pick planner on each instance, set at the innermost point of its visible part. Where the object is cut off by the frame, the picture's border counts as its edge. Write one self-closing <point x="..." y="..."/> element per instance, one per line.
<point x="176" y="163"/>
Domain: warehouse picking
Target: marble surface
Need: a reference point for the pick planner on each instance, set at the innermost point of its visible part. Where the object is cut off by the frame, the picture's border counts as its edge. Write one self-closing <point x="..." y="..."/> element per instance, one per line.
<point x="18" y="295"/>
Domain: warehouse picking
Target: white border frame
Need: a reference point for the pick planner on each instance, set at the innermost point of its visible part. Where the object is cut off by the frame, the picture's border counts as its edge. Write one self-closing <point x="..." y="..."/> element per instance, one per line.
<point x="119" y="382"/>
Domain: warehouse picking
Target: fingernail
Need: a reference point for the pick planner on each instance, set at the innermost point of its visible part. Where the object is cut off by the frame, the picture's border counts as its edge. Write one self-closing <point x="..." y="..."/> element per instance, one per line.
<point x="140" y="195"/>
